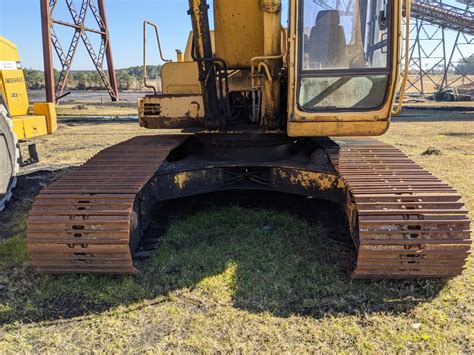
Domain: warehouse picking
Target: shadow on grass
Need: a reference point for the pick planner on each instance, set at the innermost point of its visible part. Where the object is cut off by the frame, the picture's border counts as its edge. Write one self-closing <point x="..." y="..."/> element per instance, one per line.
<point x="97" y="120"/>
<point x="256" y="251"/>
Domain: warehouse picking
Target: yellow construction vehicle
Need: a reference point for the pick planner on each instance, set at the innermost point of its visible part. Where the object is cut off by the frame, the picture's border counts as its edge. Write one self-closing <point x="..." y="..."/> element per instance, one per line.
<point x="13" y="89"/>
<point x="15" y="121"/>
<point x="255" y="104"/>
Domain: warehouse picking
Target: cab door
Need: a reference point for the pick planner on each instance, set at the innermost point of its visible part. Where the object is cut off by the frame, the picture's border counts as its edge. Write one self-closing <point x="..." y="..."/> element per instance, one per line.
<point x="344" y="66"/>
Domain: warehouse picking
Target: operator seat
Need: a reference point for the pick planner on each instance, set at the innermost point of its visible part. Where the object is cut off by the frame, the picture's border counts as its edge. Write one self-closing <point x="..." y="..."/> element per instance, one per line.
<point x="327" y="42"/>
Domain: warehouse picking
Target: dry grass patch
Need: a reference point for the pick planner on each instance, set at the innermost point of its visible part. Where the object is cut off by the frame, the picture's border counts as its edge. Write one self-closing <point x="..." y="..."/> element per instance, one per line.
<point x="223" y="281"/>
<point x="109" y="109"/>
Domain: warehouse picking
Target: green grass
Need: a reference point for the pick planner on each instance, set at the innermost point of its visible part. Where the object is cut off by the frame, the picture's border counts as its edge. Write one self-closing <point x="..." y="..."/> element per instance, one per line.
<point x="97" y="109"/>
<point x="13" y="252"/>
<point x="232" y="278"/>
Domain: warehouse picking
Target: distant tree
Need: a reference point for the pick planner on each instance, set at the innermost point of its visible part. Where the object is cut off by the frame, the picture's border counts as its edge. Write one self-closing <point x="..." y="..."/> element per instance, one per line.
<point x="95" y="82"/>
<point x="56" y="75"/>
<point x="124" y="80"/>
<point x="127" y="78"/>
<point x="34" y="79"/>
<point x="80" y="79"/>
<point x="468" y="66"/>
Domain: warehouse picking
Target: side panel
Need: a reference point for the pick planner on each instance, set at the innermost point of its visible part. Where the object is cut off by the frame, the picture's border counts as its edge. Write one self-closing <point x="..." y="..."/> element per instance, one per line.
<point x="180" y="79"/>
<point x="12" y="80"/>
<point x="15" y="94"/>
<point x="334" y="129"/>
<point x="171" y="111"/>
<point x="26" y="127"/>
<point x="14" y="91"/>
<point x="48" y="110"/>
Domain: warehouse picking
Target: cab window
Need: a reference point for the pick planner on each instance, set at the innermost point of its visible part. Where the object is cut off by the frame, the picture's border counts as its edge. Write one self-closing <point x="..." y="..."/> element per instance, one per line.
<point x="344" y="58"/>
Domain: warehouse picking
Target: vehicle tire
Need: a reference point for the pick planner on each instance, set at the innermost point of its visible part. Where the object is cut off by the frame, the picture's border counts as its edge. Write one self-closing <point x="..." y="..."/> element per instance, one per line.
<point x="9" y="156"/>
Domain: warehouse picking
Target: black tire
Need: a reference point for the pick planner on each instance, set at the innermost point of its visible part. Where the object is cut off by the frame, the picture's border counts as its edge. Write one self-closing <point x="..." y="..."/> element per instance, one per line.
<point x="9" y="156"/>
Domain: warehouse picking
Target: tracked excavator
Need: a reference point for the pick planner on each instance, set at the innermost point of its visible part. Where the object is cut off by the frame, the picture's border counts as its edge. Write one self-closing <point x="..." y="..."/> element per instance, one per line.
<point x="262" y="107"/>
<point x="17" y="125"/>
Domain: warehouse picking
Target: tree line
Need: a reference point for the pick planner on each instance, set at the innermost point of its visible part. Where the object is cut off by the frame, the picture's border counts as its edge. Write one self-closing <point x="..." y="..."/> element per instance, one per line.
<point x="127" y="79"/>
<point x="132" y="78"/>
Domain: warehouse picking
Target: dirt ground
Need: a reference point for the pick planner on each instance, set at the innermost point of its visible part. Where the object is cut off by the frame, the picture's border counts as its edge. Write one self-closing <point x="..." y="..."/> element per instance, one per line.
<point x="237" y="276"/>
<point x="431" y="83"/>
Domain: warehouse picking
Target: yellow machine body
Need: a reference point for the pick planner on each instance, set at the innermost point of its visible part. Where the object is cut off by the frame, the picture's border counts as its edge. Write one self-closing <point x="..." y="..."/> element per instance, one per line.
<point x="43" y="121"/>
<point x="249" y="38"/>
<point x="232" y="23"/>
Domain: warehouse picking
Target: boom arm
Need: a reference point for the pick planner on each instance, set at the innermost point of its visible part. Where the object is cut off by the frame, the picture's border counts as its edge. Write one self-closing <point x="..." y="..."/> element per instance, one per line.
<point x="198" y="9"/>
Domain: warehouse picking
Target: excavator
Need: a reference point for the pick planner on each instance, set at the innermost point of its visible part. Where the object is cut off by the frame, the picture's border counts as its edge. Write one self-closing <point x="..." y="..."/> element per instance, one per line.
<point x="17" y="125"/>
<point x="253" y="105"/>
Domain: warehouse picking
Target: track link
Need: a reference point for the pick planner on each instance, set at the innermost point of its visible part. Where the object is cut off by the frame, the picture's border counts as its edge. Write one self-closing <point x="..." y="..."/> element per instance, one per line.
<point x="84" y="222"/>
<point x="405" y="222"/>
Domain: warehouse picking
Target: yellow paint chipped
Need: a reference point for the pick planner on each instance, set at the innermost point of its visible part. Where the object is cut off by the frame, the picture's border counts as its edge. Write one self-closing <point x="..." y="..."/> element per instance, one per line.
<point x="282" y="173"/>
<point x="309" y="179"/>
<point x="341" y="184"/>
<point x="181" y="179"/>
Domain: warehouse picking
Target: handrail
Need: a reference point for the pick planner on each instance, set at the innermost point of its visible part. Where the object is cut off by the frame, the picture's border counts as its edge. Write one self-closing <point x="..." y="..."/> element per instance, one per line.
<point x="263" y="64"/>
<point x="274" y="57"/>
<point x="396" y="111"/>
<point x="145" y="76"/>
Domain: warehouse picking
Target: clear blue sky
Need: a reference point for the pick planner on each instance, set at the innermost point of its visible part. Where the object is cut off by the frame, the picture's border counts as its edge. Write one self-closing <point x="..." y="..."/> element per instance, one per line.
<point x="20" y="23"/>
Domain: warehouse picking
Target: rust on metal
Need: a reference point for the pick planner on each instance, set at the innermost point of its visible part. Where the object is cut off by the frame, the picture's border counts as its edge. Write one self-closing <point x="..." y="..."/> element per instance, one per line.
<point x="47" y="51"/>
<point x="81" y="30"/>
<point x="404" y="221"/>
<point x="84" y="222"/>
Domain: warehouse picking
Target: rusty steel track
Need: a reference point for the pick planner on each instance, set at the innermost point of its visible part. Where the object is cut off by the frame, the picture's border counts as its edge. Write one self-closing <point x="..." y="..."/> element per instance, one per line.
<point x="85" y="221"/>
<point x="405" y="222"/>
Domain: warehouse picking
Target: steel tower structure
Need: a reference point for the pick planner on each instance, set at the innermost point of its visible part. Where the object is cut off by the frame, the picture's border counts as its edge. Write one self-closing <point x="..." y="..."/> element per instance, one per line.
<point x="441" y="40"/>
<point x="51" y="40"/>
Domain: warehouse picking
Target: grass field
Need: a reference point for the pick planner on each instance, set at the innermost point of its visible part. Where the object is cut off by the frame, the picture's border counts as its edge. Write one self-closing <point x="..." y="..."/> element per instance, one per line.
<point x="97" y="109"/>
<point x="233" y="276"/>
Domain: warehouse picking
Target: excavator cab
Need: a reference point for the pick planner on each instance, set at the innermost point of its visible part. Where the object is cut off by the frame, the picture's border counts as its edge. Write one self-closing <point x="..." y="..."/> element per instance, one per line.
<point x="345" y="67"/>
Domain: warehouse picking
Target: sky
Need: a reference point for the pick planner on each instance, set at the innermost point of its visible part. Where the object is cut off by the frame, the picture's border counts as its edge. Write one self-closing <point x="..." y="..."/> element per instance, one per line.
<point x="20" y="23"/>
